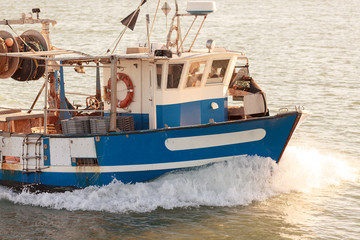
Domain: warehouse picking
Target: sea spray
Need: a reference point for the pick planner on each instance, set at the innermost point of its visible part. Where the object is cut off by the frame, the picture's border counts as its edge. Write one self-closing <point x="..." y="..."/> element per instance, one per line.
<point x="237" y="182"/>
<point x="302" y="169"/>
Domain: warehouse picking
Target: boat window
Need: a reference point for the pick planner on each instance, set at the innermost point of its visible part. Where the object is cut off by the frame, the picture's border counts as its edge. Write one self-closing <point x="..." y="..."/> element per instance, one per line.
<point x="174" y="75"/>
<point x="195" y="74"/>
<point x="158" y="75"/>
<point x="218" y="70"/>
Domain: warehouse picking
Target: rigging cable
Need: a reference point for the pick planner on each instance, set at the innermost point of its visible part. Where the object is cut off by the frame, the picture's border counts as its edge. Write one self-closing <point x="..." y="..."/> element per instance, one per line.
<point x="152" y="25"/>
<point x="32" y="50"/>
<point x="123" y="32"/>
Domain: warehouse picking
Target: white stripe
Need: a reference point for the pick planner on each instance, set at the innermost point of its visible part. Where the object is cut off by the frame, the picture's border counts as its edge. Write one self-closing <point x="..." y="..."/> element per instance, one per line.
<point x="214" y="140"/>
<point x="136" y="168"/>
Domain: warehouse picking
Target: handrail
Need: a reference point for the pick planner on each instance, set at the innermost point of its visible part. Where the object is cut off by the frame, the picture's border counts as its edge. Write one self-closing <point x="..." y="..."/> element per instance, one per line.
<point x="29" y="20"/>
<point x="57" y="110"/>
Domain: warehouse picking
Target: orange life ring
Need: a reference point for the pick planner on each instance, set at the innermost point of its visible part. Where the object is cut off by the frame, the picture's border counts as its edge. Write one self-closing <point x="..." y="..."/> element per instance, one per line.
<point x="130" y="90"/>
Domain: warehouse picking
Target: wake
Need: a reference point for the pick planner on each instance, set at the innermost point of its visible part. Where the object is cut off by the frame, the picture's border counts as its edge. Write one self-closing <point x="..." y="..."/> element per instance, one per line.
<point x="237" y="182"/>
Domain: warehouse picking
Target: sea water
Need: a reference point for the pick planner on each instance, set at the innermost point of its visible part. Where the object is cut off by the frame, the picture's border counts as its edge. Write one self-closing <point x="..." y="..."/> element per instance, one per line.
<point x="301" y="52"/>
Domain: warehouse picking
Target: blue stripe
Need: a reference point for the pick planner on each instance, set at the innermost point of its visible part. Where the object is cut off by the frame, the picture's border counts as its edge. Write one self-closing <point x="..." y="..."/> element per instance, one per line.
<point x="191" y="113"/>
<point x="79" y="180"/>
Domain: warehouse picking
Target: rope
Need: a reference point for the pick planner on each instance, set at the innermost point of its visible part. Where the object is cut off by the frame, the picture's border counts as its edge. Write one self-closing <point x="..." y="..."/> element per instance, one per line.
<point x="116" y="40"/>
<point x="152" y="25"/>
<point x="123" y="32"/>
<point x="7" y="23"/>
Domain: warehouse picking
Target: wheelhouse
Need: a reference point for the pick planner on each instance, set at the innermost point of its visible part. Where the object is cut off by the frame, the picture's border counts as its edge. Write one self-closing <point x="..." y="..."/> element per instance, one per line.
<point x="184" y="90"/>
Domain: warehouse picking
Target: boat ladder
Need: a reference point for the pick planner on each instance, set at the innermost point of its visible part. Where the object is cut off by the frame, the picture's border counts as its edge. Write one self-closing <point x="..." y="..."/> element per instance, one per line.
<point x="31" y="156"/>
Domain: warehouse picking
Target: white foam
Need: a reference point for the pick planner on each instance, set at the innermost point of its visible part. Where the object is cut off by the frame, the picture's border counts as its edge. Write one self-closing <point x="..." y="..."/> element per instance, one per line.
<point x="237" y="182"/>
<point x="304" y="169"/>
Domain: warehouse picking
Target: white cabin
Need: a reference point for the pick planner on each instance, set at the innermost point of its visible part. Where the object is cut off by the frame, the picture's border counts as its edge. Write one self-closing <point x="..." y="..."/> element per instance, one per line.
<point x="183" y="90"/>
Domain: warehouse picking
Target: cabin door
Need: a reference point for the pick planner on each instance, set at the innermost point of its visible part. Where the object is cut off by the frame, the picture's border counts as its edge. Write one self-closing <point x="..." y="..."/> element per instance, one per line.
<point x="152" y="100"/>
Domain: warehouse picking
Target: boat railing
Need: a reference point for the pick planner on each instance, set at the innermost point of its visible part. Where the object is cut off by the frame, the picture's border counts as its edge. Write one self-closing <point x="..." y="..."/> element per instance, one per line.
<point x="20" y="120"/>
<point x="57" y="110"/>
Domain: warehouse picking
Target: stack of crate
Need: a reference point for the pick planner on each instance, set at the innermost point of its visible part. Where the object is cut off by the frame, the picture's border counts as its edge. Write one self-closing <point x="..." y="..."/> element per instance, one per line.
<point x="86" y="124"/>
<point x="76" y="125"/>
<point x="125" y="123"/>
<point x="99" y="125"/>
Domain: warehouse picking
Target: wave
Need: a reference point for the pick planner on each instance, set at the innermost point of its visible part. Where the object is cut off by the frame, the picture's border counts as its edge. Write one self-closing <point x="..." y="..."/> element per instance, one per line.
<point x="237" y="182"/>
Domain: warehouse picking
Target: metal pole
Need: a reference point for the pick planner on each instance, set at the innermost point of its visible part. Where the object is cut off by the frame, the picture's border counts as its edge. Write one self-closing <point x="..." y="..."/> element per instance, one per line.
<point x="46" y="96"/>
<point x="182" y="42"/>
<point x="152" y="25"/>
<point x="98" y="87"/>
<point x="179" y="36"/>
<point x="46" y="32"/>
<point x="197" y="33"/>
<point x="166" y="24"/>
<point x="148" y="33"/>
<point x="37" y="97"/>
<point x="56" y="110"/>
<point x="113" y="60"/>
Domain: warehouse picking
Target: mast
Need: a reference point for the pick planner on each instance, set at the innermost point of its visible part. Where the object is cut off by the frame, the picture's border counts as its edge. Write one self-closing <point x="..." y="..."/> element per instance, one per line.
<point x="113" y="60"/>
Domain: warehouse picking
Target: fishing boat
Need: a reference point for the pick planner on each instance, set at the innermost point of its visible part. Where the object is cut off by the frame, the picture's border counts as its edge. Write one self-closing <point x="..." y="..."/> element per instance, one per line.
<point x="156" y="108"/>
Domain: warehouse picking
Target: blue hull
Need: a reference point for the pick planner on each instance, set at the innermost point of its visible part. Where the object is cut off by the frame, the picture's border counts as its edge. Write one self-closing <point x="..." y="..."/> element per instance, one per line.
<point x="144" y="155"/>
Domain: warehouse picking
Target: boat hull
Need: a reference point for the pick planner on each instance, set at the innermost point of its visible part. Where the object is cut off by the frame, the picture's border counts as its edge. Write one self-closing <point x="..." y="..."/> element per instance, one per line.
<point x="80" y="161"/>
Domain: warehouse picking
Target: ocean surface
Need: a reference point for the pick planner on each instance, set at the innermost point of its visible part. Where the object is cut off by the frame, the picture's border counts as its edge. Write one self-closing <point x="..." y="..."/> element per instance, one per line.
<point x="302" y="52"/>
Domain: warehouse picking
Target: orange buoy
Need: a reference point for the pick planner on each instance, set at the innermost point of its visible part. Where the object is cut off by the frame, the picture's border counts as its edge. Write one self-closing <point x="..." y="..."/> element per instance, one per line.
<point x="130" y="90"/>
<point x="9" y="42"/>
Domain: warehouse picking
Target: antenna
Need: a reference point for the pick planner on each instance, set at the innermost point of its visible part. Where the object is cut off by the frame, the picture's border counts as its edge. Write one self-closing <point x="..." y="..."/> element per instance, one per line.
<point x="147" y="30"/>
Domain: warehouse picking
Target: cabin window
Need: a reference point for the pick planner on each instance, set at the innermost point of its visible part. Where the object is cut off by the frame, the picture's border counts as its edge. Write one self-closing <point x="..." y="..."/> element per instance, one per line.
<point x="158" y="75"/>
<point x="174" y="75"/>
<point x="218" y="70"/>
<point x="195" y="74"/>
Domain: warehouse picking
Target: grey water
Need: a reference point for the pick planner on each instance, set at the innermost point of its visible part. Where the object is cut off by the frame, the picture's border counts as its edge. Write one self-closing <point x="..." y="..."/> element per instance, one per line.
<point x="301" y="52"/>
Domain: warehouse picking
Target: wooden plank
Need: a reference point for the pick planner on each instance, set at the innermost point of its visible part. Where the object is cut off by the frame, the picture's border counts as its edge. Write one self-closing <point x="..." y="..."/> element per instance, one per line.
<point x="19" y="116"/>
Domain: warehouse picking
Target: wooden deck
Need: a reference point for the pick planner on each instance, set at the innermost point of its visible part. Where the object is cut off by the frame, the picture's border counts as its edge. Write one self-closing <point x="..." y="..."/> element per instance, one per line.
<point x="20" y="122"/>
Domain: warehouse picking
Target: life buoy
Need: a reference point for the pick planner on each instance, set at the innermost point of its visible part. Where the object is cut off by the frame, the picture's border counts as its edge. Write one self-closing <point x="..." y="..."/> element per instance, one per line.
<point x="130" y="90"/>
